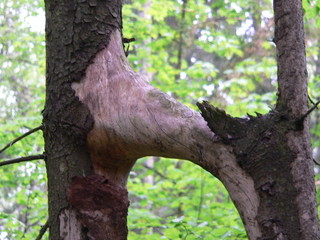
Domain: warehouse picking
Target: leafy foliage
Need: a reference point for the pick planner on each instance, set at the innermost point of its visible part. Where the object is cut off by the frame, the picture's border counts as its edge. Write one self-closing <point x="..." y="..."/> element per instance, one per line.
<point x="215" y="50"/>
<point x="23" y="186"/>
<point x="178" y="200"/>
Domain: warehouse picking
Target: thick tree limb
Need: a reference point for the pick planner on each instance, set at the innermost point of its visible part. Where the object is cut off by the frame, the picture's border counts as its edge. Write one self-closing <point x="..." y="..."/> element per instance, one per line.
<point x="19" y="138"/>
<point x="132" y="119"/>
<point x="22" y="159"/>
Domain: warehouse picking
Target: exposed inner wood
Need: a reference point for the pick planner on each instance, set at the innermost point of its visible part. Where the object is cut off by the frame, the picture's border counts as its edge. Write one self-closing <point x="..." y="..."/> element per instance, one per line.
<point x="133" y="119"/>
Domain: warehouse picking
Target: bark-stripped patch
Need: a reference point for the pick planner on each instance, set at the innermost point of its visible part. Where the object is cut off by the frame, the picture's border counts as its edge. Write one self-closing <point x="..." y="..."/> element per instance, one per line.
<point x="101" y="206"/>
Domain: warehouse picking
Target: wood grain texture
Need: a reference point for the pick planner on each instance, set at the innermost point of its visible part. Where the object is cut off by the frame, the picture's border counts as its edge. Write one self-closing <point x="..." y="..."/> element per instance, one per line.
<point x="133" y="119"/>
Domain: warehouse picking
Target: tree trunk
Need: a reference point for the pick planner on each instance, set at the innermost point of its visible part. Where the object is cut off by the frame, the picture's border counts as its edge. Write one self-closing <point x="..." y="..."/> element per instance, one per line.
<point x="82" y="205"/>
<point x="275" y="149"/>
<point x="101" y="116"/>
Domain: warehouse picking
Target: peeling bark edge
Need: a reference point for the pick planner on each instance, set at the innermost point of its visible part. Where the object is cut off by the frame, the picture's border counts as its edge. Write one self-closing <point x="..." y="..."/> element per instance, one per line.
<point x="225" y="126"/>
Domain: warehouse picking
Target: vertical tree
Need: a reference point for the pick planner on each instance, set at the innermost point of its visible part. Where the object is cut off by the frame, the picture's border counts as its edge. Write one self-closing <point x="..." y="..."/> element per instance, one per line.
<point x="100" y="117"/>
<point x="75" y="32"/>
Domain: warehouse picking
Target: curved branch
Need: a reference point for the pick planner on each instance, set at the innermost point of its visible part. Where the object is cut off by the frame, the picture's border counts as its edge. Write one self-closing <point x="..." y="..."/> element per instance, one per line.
<point x="22" y="159"/>
<point x="133" y="119"/>
<point x="21" y="137"/>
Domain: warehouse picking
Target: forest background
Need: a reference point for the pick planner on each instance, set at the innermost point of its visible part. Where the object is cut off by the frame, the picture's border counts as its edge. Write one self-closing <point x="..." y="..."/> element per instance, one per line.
<point x="220" y="51"/>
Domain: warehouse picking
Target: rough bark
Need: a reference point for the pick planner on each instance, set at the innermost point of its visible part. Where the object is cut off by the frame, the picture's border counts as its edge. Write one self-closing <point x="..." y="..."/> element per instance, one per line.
<point x="262" y="149"/>
<point x="293" y="99"/>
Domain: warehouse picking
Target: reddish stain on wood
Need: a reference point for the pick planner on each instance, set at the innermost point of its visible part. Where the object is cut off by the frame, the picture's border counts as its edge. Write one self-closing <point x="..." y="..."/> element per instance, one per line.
<point x="101" y="206"/>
